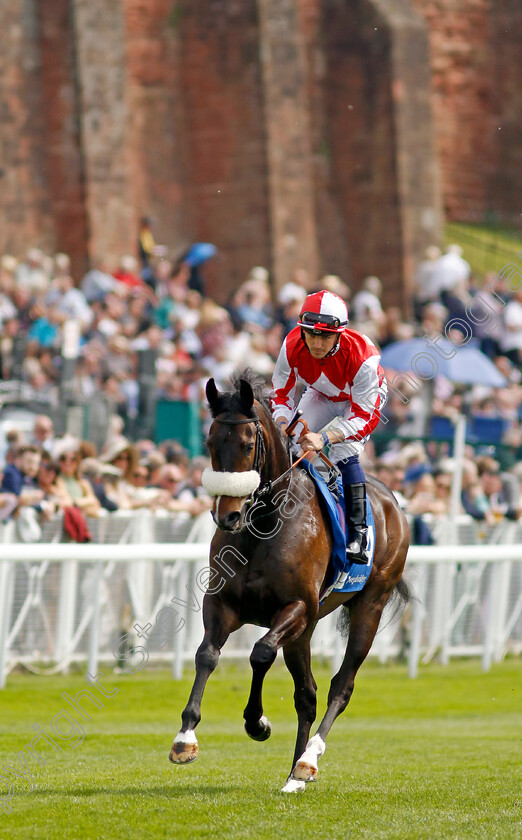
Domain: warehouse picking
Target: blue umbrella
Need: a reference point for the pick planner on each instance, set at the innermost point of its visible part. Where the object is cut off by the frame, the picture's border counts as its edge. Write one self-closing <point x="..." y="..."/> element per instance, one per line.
<point x="199" y="253"/>
<point x="431" y="357"/>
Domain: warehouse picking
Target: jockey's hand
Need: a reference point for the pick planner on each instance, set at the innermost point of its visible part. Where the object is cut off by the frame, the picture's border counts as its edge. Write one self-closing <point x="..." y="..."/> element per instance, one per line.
<point x="311" y="442"/>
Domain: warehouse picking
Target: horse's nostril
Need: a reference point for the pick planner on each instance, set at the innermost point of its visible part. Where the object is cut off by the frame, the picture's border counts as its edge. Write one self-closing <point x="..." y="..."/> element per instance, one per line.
<point x="230" y="521"/>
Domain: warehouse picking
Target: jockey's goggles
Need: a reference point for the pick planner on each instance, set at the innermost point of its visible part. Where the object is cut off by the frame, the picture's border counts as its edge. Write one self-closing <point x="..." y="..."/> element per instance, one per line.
<point x="317" y="323"/>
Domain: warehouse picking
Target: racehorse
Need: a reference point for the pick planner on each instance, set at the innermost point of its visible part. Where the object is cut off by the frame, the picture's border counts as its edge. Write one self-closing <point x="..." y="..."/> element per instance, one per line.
<point x="269" y="562"/>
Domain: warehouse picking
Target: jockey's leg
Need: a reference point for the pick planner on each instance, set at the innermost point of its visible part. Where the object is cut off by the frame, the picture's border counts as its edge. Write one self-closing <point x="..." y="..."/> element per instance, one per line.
<point x="354" y="486"/>
<point x="322" y="414"/>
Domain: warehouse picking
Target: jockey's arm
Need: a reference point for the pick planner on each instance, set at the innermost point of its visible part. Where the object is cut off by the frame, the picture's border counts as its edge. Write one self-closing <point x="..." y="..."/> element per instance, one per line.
<point x="282" y="396"/>
<point x="281" y="422"/>
<point x="368" y="395"/>
<point x="316" y="441"/>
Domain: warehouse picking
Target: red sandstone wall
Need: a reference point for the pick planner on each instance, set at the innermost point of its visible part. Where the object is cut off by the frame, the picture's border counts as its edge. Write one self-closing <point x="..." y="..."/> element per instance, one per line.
<point x="104" y="118"/>
<point x="112" y="109"/>
<point x="377" y="190"/>
<point x="25" y="210"/>
<point x="289" y="151"/>
<point x="506" y="183"/>
<point x="463" y="90"/>
<point x="224" y="121"/>
<point x="358" y="140"/>
<point x="156" y="135"/>
<point x="475" y="62"/>
<point x="63" y="153"/>
<point x="332" y="240"/>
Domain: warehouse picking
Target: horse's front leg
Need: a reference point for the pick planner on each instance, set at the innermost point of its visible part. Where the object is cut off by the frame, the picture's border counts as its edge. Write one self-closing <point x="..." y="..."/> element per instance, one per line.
<point x="287" y="626"/>
<point x="219" y="621"/>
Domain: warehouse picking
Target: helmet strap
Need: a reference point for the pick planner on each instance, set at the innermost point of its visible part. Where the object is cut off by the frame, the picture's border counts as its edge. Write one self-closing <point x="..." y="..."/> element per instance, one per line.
<point x="334" y="348"/>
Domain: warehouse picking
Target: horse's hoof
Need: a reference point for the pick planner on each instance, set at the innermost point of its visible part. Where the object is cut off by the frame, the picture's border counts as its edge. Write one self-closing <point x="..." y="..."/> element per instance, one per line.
<point x="183" y="754"/>
<point x="305" y="772"/>
<point x="185" y="748"/>
<point x="293" y="786"/>
<point x="263" y="730"/>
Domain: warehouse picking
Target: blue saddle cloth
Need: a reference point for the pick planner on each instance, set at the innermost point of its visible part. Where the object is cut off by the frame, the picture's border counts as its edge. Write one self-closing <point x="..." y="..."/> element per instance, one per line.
<point x="344" y="576"/>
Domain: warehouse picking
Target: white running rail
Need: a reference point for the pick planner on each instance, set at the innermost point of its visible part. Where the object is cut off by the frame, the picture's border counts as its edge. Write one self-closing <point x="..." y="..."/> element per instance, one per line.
<point x="62" y="603"/>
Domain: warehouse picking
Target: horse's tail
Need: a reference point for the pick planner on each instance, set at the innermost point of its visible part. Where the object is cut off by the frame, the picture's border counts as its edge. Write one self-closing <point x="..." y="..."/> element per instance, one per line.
<point x="401" y="596"/>
<point x="397" y="603"/>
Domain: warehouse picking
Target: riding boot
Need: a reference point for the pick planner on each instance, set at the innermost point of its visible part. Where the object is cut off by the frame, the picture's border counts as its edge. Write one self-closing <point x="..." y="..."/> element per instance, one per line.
<point x="355" y="501"/>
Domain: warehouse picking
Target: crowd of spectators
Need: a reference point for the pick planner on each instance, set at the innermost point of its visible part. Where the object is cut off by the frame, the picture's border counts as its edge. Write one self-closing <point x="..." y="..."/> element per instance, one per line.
<point x="65" y="475"/>
<point x="160" y="305"/>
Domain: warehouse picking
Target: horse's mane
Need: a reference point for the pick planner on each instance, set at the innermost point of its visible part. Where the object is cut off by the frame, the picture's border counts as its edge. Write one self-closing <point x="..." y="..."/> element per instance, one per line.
<point x="256" y="382"/>
<point x="230" y="400"/>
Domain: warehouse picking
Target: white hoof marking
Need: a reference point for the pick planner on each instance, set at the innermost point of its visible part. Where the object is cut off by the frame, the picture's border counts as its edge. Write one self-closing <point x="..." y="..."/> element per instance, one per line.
<point x="293" y="786"/>
<point x="188" y="737"/>
<point x="307" y="766"/>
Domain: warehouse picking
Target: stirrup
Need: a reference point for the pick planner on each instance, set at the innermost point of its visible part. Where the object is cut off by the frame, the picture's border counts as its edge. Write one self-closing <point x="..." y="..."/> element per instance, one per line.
<point x="356" y="549"/>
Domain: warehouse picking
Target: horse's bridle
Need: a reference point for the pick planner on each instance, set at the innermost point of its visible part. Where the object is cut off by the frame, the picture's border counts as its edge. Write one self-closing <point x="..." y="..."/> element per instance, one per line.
<point x="259" y="455"/>
<point x="259" y="451"/>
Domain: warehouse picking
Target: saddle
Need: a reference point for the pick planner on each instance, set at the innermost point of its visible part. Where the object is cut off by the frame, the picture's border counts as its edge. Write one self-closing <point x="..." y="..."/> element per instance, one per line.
<point x="343" y="576"/>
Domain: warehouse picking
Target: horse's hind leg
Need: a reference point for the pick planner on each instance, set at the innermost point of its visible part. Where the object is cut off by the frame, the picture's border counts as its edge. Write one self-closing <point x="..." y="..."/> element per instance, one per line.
<point x="297" y="659"/>
<point x="287" y="626"/>
<point x="219" y="623"/>
<point x="364" y="621"/>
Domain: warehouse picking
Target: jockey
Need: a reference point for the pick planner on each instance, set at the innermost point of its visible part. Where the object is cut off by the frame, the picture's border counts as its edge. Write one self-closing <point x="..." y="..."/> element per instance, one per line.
<point x="342" y="403"/>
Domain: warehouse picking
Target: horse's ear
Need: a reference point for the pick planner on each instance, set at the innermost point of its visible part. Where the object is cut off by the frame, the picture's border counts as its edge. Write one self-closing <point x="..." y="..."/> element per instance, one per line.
<point x="246" y="393"/>
<point x="211" y="391"/>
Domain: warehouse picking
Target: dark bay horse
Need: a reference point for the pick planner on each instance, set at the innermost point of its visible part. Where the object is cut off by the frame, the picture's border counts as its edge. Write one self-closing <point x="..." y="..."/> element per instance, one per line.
<point x="269" y="563"/>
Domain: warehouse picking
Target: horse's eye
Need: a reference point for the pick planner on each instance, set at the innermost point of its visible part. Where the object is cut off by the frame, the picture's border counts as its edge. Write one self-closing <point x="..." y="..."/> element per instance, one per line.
<point x="249" y="447"/>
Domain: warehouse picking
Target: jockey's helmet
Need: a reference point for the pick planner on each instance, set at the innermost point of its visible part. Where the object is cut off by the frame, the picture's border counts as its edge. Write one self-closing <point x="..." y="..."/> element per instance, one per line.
<point x="323" y="312"/>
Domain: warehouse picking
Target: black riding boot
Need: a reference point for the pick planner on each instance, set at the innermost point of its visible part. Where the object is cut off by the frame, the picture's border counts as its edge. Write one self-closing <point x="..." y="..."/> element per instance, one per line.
<point x="355" y="501"/>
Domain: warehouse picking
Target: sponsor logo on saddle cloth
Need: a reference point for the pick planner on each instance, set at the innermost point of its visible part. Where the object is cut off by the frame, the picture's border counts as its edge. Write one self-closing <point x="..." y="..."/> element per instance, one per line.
<point x="345" y="576"/>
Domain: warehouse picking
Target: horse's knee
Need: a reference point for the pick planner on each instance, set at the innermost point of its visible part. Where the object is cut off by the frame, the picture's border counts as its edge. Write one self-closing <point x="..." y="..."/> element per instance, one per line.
<point x="207" y="657"/>
<point x="262" y="655"/>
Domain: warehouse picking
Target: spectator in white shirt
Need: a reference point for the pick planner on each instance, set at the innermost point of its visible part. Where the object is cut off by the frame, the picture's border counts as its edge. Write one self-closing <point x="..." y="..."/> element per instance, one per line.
<point x="511" y="337"/>
<point x="449" y="270"/>
<point x="366" y="304"/>
<point x="68" y="301"/>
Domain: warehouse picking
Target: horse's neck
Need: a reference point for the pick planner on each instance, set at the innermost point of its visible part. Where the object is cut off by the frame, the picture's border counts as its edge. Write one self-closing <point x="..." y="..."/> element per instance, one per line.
<point x="276" y="458"/>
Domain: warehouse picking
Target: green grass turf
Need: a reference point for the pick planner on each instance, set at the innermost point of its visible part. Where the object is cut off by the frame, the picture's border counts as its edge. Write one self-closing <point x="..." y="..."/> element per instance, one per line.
<point x="486" y="247"/>
<point x="436" y="757"/>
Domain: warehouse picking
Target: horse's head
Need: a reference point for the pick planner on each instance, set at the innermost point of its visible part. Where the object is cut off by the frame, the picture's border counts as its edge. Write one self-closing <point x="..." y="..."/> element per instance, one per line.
<point x="237" y="450"/>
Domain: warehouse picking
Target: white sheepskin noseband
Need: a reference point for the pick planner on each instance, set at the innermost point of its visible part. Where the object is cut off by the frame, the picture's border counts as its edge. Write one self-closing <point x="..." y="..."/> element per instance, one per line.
<point x="241" y="484"/>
